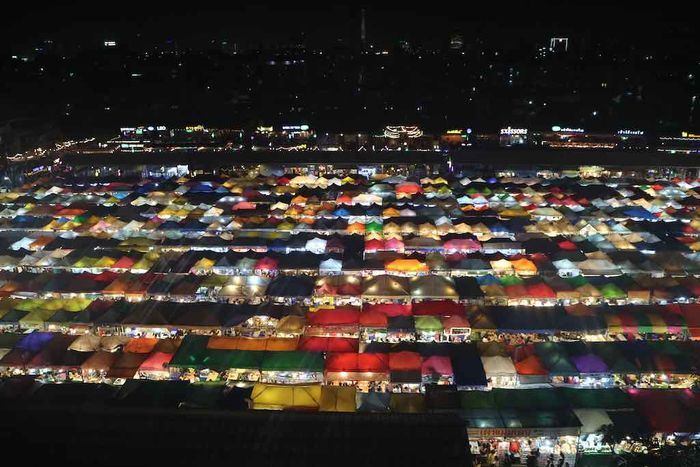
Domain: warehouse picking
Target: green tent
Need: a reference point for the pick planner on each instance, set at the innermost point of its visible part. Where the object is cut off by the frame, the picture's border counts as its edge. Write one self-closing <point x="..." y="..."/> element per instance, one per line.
<point x="220" y="359"/>
<point x="192" y="353"/>
<point x="529" y="399"/>
<point x="428" y="323"/>
<point x="293" y="361"/>
<point x="483" y="400"/>
<point x="576" y="281"/>
<point x="555" y="359"/>
<point x="612" y="292"/>
<point x="374" y="227"/>
<point x="511" y="280"/>
<point x="614" y="358"/>
<point x="9" y="339"/>
<point x="605" y="398"/>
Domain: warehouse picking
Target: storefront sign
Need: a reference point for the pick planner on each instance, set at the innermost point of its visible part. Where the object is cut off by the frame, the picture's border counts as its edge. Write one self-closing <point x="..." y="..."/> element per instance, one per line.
<point x="513" y="131"/>
<point x="475" y="433"/>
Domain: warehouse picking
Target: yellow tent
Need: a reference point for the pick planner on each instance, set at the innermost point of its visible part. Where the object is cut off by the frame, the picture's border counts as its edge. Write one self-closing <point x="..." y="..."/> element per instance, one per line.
<point x="280" y="397"/>
<point x="338" y="399"/>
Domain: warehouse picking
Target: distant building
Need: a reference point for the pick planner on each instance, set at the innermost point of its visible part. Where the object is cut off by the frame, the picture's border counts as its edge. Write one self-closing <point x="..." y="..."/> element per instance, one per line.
<point x="559" y="44"/>
<point x="512" y="137"/>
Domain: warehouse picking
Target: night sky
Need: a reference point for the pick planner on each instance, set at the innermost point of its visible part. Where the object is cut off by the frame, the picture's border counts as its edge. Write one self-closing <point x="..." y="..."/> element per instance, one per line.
<point x="428" y="24"/>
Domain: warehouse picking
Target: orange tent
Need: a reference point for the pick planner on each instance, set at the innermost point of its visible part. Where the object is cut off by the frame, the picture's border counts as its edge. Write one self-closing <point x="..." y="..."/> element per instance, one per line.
<point x="141" y="345"/>
<point x="356" y="227"/>
<point x="406" y="265"/>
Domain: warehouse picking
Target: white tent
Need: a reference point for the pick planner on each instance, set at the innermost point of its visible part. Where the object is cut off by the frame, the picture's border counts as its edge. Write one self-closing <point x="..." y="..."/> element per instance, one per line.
<point x="592" y="420"/>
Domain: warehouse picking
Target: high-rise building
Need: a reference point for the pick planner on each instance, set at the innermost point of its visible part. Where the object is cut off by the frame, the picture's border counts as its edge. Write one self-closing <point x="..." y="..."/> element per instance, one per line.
<point x="363" y="30"/>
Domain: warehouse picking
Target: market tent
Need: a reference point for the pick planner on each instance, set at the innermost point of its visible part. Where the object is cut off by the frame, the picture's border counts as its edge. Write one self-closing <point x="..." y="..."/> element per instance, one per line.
<point x="293" y="361"/>
<point x="433" y="287"/>
<point x="589" y="363"/>
<point x="338" y="399"/>
<point x="389" y="309"/>
<point x="531" y="366"/>
<point x="156" y="362"/>
<point x="374" y="402"/>
<point x="407" y="403"/>
<point x="428" y="324"/>
<point x="291" y="325"/>
<point x="221" y="360"/>
<point x="337" y="316"/>
<point x="328" y="344"/>
<point x="373" y="319"/>
<point x="667" y="411"/>
<point x="437" y="365"/>
<point x="281" y="397"/>
<point x="100" y="361"/>
<point x="126" y="365"/>
<point x="498" y="365"/>
<point x="466" y="363"/>
<point x="349" y="362"/>
<point x="291" y="286"/>
<point x="691" y="313"/>
<point x="555" y="359"/>
<point x="406" y="266"/>
<point x="192" y="353"/>
<point x="34" y="341"/>
<point x="141" y="345"/>
<point x="386" y="286"/>
<point x="598" y="398"/>
<point x="615" y="358"/>
<point x="405" y="361"/>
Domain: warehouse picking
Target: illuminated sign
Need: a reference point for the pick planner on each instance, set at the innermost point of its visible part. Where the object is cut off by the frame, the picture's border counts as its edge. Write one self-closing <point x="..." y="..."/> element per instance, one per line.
<point x="567" y="129"/>
<point x="295" y="127"/>
<point x="686" y="134"/>
<point x="191" y="129"/>
<point x="630" y="132"/>
<point x="513" y="131"/>
<point x="397" y="131"/>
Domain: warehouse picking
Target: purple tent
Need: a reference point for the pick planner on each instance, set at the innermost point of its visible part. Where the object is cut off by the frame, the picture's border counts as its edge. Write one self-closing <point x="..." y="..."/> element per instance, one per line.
<point x="34" y="342"/>
<point x="589" y="363"/>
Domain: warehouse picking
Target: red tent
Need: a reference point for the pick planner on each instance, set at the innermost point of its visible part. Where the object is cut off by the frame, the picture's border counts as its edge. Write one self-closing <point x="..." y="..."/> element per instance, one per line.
<point x="390" y="309"/>
<point x="441" y="365"/>
<point x="568" y="245"/>
<point x="516" y="291"/>
<point x="405" y="361"/>
<point x="124" y="263"/>
<point x="157" y="361"/>
<point x="354" y="362"/>
<point x="328" y="344"/>
<point x="344" y="315"/>
<point x="666" y="410"/>
<point x="374" y="245"/>
<point x="373" y="319"/>
<point x="541" y="290"/>
<point x="266" y="264"/>
<point x="243" y="205"/>
<point x="691" y="313"/>
<point x="531" y="366"/>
